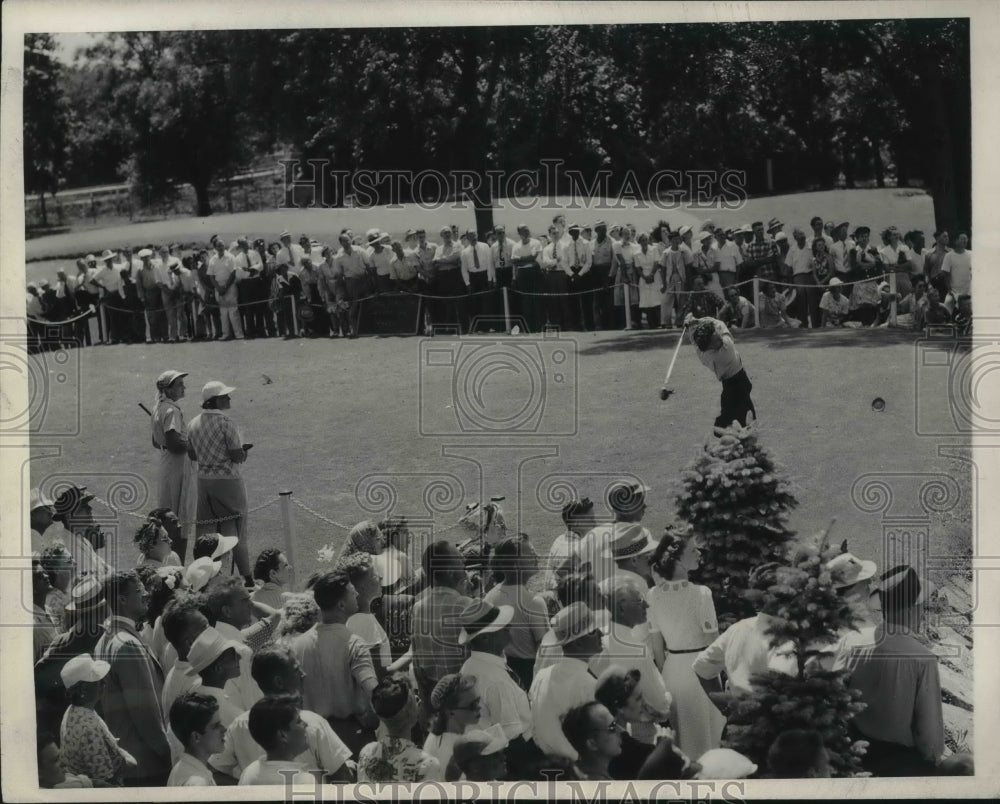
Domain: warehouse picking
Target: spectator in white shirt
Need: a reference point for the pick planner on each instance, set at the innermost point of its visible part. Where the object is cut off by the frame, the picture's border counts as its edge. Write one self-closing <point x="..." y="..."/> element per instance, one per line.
<point x="366" y="578"/>
<point x="479" y="273"/>
<point x="222" y="273"/>
<point x="834" y="305"/>
<point x="276" y="724"/>
<point x="566" y="683"/>
<point x="194" y="719"/>
<point x="897" y="258"/>
<point x="278" y="672"/>
<point x="576" y="261"/>
<point x="956" y="270"/>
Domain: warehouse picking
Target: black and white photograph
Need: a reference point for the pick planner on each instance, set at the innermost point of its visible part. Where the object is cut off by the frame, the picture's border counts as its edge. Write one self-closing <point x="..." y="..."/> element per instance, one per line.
<point x="469" y="401"/>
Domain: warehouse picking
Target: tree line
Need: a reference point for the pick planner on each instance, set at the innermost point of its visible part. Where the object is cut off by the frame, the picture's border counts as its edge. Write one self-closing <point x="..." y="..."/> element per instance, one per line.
<point x="857" y="100"/>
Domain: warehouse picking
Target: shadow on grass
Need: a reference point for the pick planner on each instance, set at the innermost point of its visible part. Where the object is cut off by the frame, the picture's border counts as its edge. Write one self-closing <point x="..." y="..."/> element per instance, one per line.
<point x="774" y="338"/>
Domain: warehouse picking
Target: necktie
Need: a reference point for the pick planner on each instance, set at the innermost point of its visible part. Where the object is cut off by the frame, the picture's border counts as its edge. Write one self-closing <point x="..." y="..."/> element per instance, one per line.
<point x="576" y="255"/>
<point x="503" y="261"/>
<point x="475" y="254"/>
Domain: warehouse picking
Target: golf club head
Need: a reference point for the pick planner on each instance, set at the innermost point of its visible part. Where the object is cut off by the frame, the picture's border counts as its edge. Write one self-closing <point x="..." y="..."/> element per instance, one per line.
<point x="665" y="393"/>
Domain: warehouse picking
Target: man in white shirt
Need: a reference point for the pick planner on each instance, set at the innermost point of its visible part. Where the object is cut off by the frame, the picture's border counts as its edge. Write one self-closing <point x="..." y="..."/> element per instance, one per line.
<point x="194" y="719"/>
<point x="898" y="259"/>
<point x="380" y="260"/>
<point x="841" y="247"/>
<point x="276" y="724"/>
<point x="576" y="261"/>
<point x="555" y="279"/>
<point x="578" y="517"/>
<point x="956" y="269"/>
<point x="289" y="254"/>
<point x="834" y="305"/>
<point x="501" y="252"/>
<point x="527" y="279"/>
<point x="479" y="274"/>
<point x="250" y="287"/>
<point x="222" y="273"/>
<point x="729" y="257"/>
<point x="799" y="260"/>
<point x="278" y="672"/>
<point x="568" y="682"/>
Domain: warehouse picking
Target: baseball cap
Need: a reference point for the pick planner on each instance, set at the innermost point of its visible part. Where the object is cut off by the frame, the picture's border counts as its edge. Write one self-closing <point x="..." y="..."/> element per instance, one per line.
<point x="214" y="388"/>
<point x="166" y="379"/>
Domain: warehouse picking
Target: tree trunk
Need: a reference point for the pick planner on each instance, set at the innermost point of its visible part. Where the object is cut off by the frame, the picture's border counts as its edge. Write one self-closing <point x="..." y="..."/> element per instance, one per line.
<point x="877" y="165"/>
<point x="941" y="163"/>
<point x="204" y="205"/>
<point x="41" y="205"/>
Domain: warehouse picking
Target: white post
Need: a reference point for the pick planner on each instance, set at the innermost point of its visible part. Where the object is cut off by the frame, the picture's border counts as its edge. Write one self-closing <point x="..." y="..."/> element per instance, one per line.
<point x="756" y="300"/>
<point x="627" y="298"/>
<point x="288" y="526"/>
<point x="892" y="304"/>
<point x="295" y="316"/>
<point x="506" y="309"/>
<point x="104" y="323"/>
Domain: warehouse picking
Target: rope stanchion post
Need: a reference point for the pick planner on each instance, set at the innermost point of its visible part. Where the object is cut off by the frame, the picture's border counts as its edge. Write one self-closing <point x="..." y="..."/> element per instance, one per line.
<point x="627" y="298"/>
<point x="892" y="304"/>
<point x="506" y="309"/>
<point x="104" y="322"/>
<point x="295" y="316"/>
<point x="756" y="301"/>
<point x="288" y="526"/>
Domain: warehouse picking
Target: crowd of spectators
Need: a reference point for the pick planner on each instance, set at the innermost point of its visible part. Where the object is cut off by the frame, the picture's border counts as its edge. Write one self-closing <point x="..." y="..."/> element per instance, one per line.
<point x="572" y="277"/>
<point x="391" y="663"/>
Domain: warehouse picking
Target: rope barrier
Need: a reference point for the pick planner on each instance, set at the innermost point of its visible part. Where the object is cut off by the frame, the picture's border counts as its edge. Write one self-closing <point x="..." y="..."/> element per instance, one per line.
<point x="212" y="521"/>
<point x="45" y="322"/>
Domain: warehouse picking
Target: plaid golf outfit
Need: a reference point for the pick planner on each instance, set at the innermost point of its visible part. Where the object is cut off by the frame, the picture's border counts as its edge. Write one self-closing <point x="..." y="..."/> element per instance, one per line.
<point x="436" y="651"/>
<point x="221" y="493"/>
<point x="768" y="249"/>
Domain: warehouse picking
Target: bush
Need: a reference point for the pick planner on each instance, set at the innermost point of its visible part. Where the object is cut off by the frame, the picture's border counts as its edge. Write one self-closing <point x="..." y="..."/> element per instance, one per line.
<point x="737" y="501"/>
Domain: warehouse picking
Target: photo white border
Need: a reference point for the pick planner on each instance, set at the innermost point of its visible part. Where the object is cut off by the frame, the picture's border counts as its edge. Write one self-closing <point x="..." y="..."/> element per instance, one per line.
<point x="19" y="781"/>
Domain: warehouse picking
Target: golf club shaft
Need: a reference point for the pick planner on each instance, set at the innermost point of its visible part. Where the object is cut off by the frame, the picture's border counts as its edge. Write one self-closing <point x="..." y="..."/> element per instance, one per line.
<point x="673" y="359"/>
<point x="148" y="412"/>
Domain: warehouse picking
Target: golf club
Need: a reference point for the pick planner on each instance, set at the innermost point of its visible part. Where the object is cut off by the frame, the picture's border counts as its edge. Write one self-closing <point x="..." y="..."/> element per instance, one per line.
<point x="148" y="413"/>
<point x="666" y="392"/>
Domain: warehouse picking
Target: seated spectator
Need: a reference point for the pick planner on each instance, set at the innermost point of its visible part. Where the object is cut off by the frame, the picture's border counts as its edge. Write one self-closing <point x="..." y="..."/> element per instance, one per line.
<point x="455" y="708"/>
<point x="194" y="719"/>
<point x="566" y="683"/>
<point x="339" y="674"/>
<point x="514" y="562"/>
<point x="172" y="524"/>
<point x="737" y="311"/>
<point x="798" y="754"/>
<point x="51" y="774"/>
<point x="773" y="307"/>
<point x="216" y="660"/>
<point x="278" y="672"/>
<point x="131" y="706"/>
<point x="834" y="305"/>
<point x="276" y="724"/>
<point x="394" y="757"/>
<point x="200" y="572"/>
<point x="154" y="546"/>
<point x="935" y="313"/>
<point x="274" y="575"/>
<point x="597" y="737"/>
<point x="962" y="318"/>
<point x="60" y="567"/>
<point x="44" y="630"/>
<point x="909" y="308"/>
<point x="88" y="747"/>
<point x="478" y="757"/>
<point x="367" y="582"/>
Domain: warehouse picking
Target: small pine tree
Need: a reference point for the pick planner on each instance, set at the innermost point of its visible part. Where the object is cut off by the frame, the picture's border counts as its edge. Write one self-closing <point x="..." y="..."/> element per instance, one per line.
<point x="807" y="616"/>
<point x="737" y="500"/>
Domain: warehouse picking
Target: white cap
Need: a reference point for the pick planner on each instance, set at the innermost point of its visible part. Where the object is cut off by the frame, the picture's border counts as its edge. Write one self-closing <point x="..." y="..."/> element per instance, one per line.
<point x="207" y="647"/>
<point x="38" y="500"/>
<point x="83" y="668"/>
<point x="214" y="388"/>
<point x="835" y="281"/>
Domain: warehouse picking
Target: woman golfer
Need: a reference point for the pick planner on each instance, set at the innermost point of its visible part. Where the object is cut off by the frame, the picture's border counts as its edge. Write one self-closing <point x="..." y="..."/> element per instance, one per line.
<point x="214" y="442"/>
<point x="717" y="350"/>
<point x="177" y="479"/>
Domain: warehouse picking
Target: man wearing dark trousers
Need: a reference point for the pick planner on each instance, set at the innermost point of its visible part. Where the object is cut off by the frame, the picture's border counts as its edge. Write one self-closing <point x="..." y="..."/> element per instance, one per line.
<point x="479" y="275"/>
<point x="601" y="260"/>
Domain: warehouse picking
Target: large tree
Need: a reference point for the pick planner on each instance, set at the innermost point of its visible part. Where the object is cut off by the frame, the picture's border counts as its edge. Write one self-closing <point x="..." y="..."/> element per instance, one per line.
<point x="44" y="119"/>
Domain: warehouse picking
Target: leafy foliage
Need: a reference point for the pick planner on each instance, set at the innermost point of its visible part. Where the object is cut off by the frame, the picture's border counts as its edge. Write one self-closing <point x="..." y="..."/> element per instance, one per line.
<point x="44" y="116"/>
<point x="737" y="501"/>
<point x="806" y="615"/>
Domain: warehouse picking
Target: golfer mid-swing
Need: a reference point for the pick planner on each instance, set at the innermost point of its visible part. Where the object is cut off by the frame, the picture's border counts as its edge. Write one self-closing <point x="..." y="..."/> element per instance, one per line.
<point x="717" y="350"/>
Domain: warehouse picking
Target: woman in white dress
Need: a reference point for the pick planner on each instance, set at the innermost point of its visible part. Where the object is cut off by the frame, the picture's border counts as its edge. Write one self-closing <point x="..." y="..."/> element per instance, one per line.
<point x="177" y="489"/>
<point x="684" y="614"/>
<point x="647" y="266"/>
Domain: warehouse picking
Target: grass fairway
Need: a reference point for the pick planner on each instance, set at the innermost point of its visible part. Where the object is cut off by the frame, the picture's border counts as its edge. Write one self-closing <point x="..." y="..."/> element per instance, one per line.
<point x="340" y="425"/>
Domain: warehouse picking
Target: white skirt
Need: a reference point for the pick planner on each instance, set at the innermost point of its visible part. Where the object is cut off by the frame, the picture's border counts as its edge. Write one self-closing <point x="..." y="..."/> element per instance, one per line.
<point x="178" y="489"/>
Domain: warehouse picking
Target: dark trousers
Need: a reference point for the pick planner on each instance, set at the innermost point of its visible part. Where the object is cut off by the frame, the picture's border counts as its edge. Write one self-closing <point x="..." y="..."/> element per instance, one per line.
<point x="557" y="305"/>
<point x="603" y="302"/>
<point x="453" y="308"/>
<point x="807" y="299"/>
<point x="283" y="314"/>
<point x="353" y="735"/>
<point x="652" y="317"/>
<point x="736" y="402"/>
<point x="505" y="278"/>
<point x="892" y="759"/>
<point x="532" y="306"/>
<point x="478" y="305"/>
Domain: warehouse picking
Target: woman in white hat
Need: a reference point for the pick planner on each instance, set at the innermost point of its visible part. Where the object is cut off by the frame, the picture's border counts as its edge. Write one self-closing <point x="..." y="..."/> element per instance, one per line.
<point x="215" y="444"/>
<point x="176" y="486"/>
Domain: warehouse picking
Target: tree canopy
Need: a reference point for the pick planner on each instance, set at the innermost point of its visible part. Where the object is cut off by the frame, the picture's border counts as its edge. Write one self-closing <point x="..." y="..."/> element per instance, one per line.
<point x="862" y="100"/>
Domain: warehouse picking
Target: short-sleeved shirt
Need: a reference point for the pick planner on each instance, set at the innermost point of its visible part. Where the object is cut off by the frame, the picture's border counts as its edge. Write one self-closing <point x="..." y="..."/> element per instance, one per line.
<point x="435" y="630"/>
<point x="502" y="701"/>
<point x="190" y="771"/>
<point x="88" y="747"/>
<point x="960" y="268"/>
<point x="381" y="260"/>
<point x="725" y="362"/>
<point x="352" y="265"/>
<point x="221" y="268"/>
<point x="277" y="772"/>
<point x="729" y="256"/>
<point x="211" y="433"/>
<point x="167" y="416"/>
<point x="554" y="691"/>
<point x="394" y="759"/>
<point x="339" y="674"/>
<point x="367" y="627"/>
<point x="741" y="650"/>
<point x="838" y="307"/>
<point x="325" y="752"/>
<point x="602" y="253"/>
<point x="402" y="270"/>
